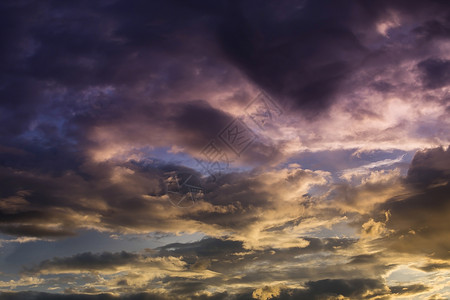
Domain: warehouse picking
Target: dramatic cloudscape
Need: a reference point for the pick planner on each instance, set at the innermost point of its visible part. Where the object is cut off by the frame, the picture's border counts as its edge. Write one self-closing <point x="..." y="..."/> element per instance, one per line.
<point x="171" y="149"/>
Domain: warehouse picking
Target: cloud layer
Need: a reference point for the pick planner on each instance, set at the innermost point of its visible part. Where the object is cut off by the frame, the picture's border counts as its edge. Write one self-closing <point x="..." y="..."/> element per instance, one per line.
<point x="338" y="188"/>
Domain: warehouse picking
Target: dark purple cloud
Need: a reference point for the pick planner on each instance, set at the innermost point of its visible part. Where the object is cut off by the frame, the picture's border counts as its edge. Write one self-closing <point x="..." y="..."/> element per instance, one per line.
<point x="91" y="94"/>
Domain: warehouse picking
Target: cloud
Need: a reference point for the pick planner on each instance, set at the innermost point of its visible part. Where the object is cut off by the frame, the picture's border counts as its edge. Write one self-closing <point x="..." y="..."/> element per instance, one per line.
<point x="35" y="231"/>
<point x="436" y="73"/>
<point x="349" y="289"/>
<point x="187" y="269"/>
<point x="429" y="167"/>
<point x="266" y="293"/>
<point x="409" y="289"/>
<point x="86" y="262"/>
<point x="107" y="263"/>
<point x="277" y="59"/>
<point x="134" y="81"/>
<point x="25" y="281"/>
<point x="131" y="197"/>
<point x="436" y="297"/>
<point x="433" y="267"/>
<point x="41" y="295"/>
<point x="323" y="289"/>
<point x="417" y="218"/>
<point x="101" y="101"/>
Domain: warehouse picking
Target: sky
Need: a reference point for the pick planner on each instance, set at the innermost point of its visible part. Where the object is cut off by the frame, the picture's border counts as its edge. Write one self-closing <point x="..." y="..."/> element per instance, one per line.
<point x="224" y="150"/>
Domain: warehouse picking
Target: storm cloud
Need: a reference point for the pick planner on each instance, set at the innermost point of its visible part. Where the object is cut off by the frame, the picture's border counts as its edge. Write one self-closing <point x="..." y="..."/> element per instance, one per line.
<point x="309" y="139"/>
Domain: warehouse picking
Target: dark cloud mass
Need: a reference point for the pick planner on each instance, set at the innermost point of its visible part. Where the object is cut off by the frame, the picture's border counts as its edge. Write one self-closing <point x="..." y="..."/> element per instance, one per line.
<point x="334" y="184"/>
<point x="436" y="73"/>
<point x="324" y="289"/>
<point x="419" y="220"/>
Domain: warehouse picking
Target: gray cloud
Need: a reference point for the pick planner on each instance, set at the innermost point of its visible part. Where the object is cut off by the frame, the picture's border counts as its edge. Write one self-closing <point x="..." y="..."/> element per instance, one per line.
<point x="419" y="219"/>
<point x="87" y="262"/>
<point x="435" y="72"/>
